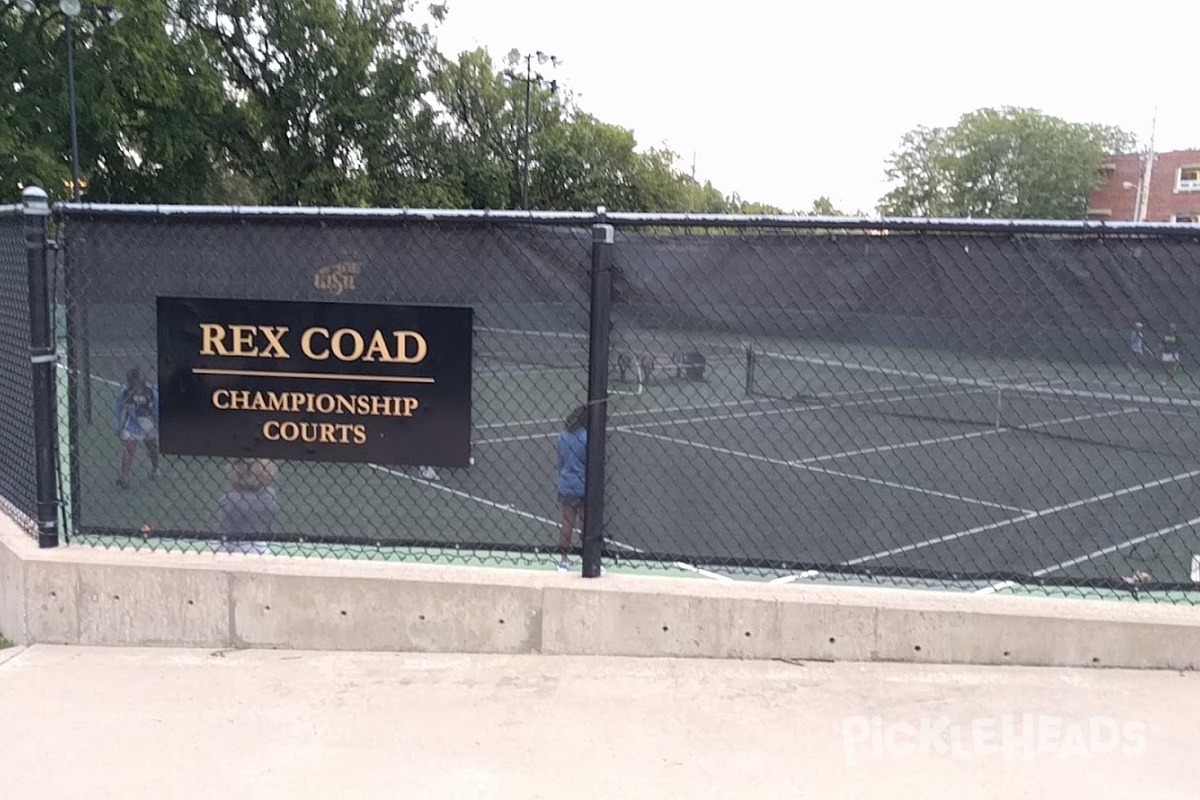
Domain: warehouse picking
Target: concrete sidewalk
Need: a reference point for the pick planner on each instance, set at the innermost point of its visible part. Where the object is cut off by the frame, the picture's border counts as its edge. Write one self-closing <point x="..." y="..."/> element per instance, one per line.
<point x="157" y="723"/>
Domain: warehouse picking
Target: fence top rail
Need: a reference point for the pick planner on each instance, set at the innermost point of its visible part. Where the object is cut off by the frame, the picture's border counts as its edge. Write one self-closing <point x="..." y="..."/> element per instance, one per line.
<point x="11" y="210"/>
<point x="322" y="212"/>
<point x="877" y="225"/>
<point x="919" y="224"/>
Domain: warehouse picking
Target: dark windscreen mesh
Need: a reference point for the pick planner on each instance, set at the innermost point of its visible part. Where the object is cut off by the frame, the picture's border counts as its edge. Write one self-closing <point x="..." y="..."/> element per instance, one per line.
<point x="528" y="287"/>
<point x="17" y="448"/>
<point x="1141" y="423"/>
<point x="950" y="403"/>
<point x="923" y="401"/>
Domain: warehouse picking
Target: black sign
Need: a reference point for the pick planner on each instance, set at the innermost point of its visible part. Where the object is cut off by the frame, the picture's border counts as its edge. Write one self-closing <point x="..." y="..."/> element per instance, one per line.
<point x="345" y="382"/>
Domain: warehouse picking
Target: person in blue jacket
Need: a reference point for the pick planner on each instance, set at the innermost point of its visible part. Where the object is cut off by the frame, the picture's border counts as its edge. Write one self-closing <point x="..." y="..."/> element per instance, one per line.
<point x="572" y="465"/>
<point x="135" y="419"/>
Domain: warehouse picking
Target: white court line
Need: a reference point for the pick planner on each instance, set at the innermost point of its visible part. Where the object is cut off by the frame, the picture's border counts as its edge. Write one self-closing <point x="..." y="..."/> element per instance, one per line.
<point x="1104" y="551"/>
<point x="526" y="438"/>
<point x="635" y="412"/>
<point x="924" y="395"/>
<point x="886" y="448"/>
<point x="465" y="495"/>
<point x="1032" y="387"/>
<point x="97" y="378"/>
<point x="500" y="506"/>
<point x="850" y="476"/>
<point x="716" y="576"/>
<point x="778" y="411"/>
<point x="714" y="418"/>
<point x="808" y="573"/>
<point x="950" y="537"/>
<point x="521" y="424"/>
<point x="696" y="407"/>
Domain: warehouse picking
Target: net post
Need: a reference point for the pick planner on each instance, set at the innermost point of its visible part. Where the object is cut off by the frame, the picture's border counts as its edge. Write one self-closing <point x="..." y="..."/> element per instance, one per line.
<point x="598" y="345"/>
<point x="42" y="356"/>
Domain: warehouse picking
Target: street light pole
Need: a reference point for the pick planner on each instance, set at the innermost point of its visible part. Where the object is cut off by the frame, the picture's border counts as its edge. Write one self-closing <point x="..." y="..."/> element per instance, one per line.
<point x="71" y="9"/>
<point x="528" y="85"/>
<point x="71" y="110"/>
<point x="514" y="57"/>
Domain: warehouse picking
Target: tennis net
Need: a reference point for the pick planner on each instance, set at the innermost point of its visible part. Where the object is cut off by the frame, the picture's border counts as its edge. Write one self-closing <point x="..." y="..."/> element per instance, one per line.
<point x="1163" y="425"/>
<point x="501" y="350"/>
<point x="506" y="347"/>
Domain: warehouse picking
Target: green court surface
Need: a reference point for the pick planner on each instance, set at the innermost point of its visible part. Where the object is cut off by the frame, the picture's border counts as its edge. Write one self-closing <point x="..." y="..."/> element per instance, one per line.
<point x="361" y="510"/>
<point x="700" y="471"/>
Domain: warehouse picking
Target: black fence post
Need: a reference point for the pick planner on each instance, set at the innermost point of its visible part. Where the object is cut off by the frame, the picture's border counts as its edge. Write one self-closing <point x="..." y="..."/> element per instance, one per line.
<point x="601" y="320"/>
<point x="73" y="334"/>
<point x="42" y="350"/>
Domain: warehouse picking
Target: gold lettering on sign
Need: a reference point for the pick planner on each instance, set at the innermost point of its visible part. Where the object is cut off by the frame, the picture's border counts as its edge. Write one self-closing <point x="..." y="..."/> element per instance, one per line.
<point x="347" y="344"/>
<point x="314" y="432"/>
<point x="355" y="405"/>
<point x="317" y="343"/>
<point x="244" y="340"/>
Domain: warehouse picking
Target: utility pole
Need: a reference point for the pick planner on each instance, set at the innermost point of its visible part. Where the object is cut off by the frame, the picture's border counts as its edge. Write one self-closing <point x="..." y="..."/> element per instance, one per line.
<point x="71" y="9"/>
<point x="514" y="57"/>
<point x="528" y="89"/>
<point x="1147" y="173"/>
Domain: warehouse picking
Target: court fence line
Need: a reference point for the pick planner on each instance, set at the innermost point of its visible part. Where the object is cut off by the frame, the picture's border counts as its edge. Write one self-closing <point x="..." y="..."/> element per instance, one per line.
<point x="28" y="445"/>
<point x="787" y="399"/>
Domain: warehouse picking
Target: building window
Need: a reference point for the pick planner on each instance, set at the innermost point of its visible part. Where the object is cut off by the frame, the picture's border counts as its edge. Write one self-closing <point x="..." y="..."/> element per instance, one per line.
<point x="1193" y="218"/>
<point x="1188" y="180"/>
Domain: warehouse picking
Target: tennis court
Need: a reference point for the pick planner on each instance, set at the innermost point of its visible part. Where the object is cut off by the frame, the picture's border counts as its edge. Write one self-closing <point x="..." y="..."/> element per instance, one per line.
<point x="784" y="459"/>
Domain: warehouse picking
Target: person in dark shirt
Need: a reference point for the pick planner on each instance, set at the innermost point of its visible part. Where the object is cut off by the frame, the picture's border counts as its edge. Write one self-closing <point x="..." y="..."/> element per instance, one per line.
<point x="571" y="461"/>
<point x="1170" y="350"/>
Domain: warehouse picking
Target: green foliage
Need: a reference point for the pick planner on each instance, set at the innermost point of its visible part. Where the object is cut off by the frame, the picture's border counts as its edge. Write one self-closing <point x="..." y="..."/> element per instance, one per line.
<point x="147" y="113"/>
<point x="1010" y="163"/>
<point x="307" y="102"/>
<point x="823" y="207"/>
<point x="325" y="97"/>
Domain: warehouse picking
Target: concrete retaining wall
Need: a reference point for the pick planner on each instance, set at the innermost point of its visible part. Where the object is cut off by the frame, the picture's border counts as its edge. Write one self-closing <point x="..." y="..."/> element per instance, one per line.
<point x="110" y="597"/>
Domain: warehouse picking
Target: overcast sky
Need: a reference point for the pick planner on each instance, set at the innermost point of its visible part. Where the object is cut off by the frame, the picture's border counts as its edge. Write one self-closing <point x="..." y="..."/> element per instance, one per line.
<point x="783" y="100"/>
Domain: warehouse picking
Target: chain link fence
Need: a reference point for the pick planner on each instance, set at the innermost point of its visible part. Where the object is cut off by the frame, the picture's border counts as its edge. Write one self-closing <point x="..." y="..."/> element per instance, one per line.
<point x="528" y="286"/>
<point x="953" y="403"/>
<point x="18" y="487"/>
<point x="975" y="405"/>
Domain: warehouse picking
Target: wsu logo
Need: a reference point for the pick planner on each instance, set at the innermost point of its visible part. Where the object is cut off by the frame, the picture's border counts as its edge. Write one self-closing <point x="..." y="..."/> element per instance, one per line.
<point x="337" y="278"/>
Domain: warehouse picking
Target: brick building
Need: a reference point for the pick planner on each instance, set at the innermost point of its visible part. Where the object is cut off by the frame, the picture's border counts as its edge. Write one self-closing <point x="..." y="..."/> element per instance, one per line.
<point x="1173" y="196"/>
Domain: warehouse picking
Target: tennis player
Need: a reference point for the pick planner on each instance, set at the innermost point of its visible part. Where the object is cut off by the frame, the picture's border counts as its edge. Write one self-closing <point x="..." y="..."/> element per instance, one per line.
<point x="1137" y="345"/>
<point x="1170" y="349"/>
<point x="572" y="471"/>
<point x="135" y="419"/>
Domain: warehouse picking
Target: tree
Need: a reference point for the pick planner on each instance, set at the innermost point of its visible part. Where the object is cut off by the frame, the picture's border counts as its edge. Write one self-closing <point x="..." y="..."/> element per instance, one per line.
<point x="325" y="97"/>
<point x="824" y="207"/>
<point x="148" y="105"/>
<point x="311" y="102"/>
<point x="481" y="118"/>
<point x="1008" y="163"/>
